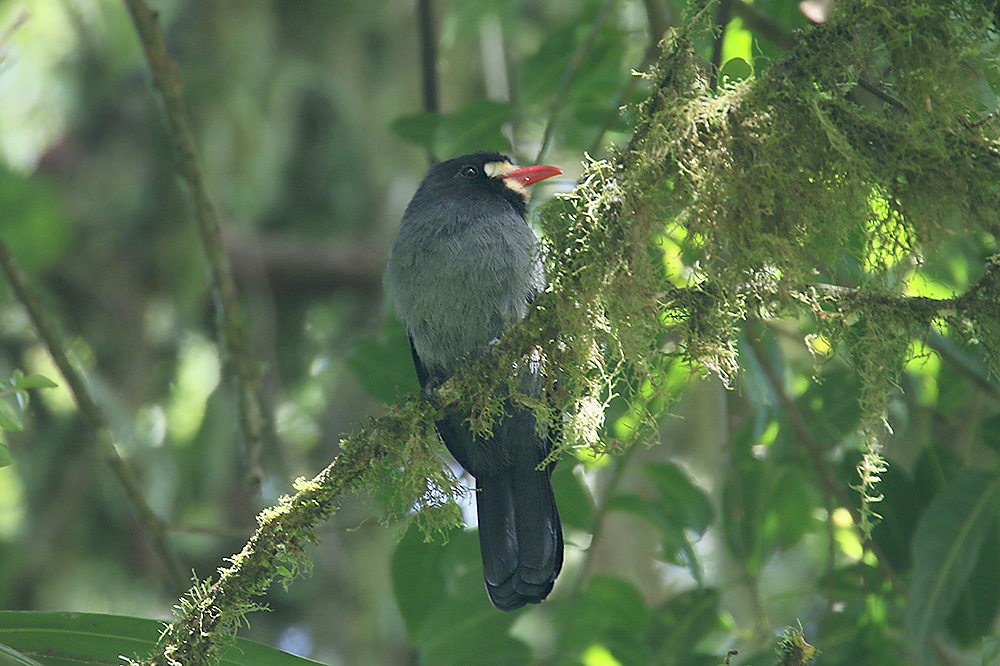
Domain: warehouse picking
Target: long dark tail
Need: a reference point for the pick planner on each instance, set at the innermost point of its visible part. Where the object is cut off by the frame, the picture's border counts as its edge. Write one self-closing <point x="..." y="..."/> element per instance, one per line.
<point x="519" y="535"/>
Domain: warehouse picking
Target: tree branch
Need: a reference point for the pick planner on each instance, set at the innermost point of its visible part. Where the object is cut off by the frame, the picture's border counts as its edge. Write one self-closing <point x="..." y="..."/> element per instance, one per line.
<point x="92" y="415"/>
<point x="600" y="313"/>
<point x="722" y="17"/>
<point x="428" y="61"/>
<point x="290" y="264"/>
<point x="658" y="23"/>
<point x="572" y="69"/>
<point x="208" y="616"/>
<point x="235" y="341"/>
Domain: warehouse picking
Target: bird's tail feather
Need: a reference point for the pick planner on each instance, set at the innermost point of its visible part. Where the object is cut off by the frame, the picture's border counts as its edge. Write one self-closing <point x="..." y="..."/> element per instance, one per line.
<point x="519" y="535"/>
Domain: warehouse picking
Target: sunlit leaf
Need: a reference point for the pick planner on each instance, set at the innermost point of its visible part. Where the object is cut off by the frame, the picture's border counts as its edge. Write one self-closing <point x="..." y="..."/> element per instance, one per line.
<point x="33" y="381"/>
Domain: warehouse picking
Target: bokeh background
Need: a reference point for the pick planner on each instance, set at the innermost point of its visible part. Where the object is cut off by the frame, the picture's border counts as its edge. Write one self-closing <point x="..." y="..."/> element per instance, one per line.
<point x="315" y="122"/>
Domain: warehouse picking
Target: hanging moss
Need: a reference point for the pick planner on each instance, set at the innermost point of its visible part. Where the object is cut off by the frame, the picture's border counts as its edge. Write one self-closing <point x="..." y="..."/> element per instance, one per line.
<point x="797" y="194"/>
<point x="801" y="178"/>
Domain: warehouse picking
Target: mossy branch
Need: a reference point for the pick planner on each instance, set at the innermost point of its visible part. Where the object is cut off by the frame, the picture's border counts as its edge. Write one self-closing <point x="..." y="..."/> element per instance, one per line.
<point x="393" y="454"/>
<point x="771" y="184"/>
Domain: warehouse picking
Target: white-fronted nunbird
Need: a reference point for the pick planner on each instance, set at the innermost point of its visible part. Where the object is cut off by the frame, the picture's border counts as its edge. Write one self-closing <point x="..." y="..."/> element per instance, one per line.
<point x="463" y="268"/>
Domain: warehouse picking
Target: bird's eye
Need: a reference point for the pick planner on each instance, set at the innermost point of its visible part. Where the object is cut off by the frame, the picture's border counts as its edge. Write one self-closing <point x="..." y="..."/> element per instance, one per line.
<point x="468" y="171"/>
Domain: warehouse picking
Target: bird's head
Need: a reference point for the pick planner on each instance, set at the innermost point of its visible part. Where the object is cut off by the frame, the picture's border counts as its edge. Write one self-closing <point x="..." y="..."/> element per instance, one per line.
<point x="471" y="177"/>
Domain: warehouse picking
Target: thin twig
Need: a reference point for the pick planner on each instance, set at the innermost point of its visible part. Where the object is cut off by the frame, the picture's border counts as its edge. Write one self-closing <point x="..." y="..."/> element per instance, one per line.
<point x="428" y="61"/>
<point x="961" y="361"/>
<point x="722" y="18"/>
<point x="428" y="54"/>
<point x="92" y="415"/>
<point x="235" y="340"/>
<point x="658" y="24"/>
<point x="824" y="473"/>
<point x="763" y="25"/>
<point x="572" y="69"/>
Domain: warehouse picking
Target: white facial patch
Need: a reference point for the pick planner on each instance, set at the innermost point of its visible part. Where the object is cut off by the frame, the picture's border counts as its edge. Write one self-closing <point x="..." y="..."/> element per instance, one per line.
<point x="501" y="168"/>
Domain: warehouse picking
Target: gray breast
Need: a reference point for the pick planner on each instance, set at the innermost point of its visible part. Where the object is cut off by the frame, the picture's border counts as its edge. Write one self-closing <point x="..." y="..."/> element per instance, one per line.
<point x="458" y="282"/>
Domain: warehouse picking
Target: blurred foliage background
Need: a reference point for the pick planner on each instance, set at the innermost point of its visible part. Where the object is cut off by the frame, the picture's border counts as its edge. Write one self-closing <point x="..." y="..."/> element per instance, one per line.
<point x="314" y="124"/>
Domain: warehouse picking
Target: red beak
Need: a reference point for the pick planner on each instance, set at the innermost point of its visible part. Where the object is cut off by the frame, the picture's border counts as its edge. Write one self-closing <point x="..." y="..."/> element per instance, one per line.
<point x="530" y="175"/>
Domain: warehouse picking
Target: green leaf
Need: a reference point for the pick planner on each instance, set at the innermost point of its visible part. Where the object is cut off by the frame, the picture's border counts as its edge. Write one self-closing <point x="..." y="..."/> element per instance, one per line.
<point x="475" y="127"/>
<point x="979" y="600"/>
<point x="677" y="547"/>
<point x="610" y="612"/>
<point x="417" y="578"/>
<point x="946" y="546"/>
<point x="72" y="639"/>
<point x="5" y="457"/>
<point x="576" y="505"/>
<point x="11" y="657"/>
<point x="735" y="69"/>
<point x="468" y="631"/>
<point x="10" y="420"/>
<point x="33" y="225"/>
<point x="440" y="592"/>
<point x="681" y="497"/>
<point x="383" y="364"/>
<point x="417" y="128"/>
<point x="991" y="650"/>
<point x="682" y="622"/>
<point x="33" y="381"/>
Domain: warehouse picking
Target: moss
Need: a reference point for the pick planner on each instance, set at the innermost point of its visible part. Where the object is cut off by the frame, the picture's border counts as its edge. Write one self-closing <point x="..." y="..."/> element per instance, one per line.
<point x="798" y="179"/>
<point x="797" y="192"/>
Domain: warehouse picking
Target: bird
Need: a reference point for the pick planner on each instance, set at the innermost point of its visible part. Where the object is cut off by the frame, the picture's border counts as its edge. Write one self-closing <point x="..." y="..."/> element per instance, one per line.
<point x="463" y="268"/>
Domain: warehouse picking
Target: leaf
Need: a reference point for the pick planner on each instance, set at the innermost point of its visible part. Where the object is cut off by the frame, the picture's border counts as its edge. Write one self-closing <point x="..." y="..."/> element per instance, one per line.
<point x="417" y="578"/>
<point x="72" y="639"/>
<point x="576" y="505"/>
<point x="735" y="69"/>
<point x="677" y="547"/>
<point x="33" y="381"/>
<point x="683" y="621"/>
<point x="609" y="611"/>
<point x="440" y="592"/>
<point x="417" y="128"/>
<point x="383" y="364"/>
<point x="468" y="631"/>
<point x="5" y="457"/>
<point x="475" y="127"/>
<point x="10" y="420"/>
<point x="991" y="650"/>
<point x="979" y="600"/>
<point x="681" y="497"/>
<point x="33" y="225"/>
<point x="11" y="657"/>
<point x="945" y="547"/>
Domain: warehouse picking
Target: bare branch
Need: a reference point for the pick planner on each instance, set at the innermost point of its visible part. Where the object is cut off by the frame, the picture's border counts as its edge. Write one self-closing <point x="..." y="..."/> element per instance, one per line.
<point x="572" y="69"/>
<point x="235" y="340"/>
<point x="92" y="415"/>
